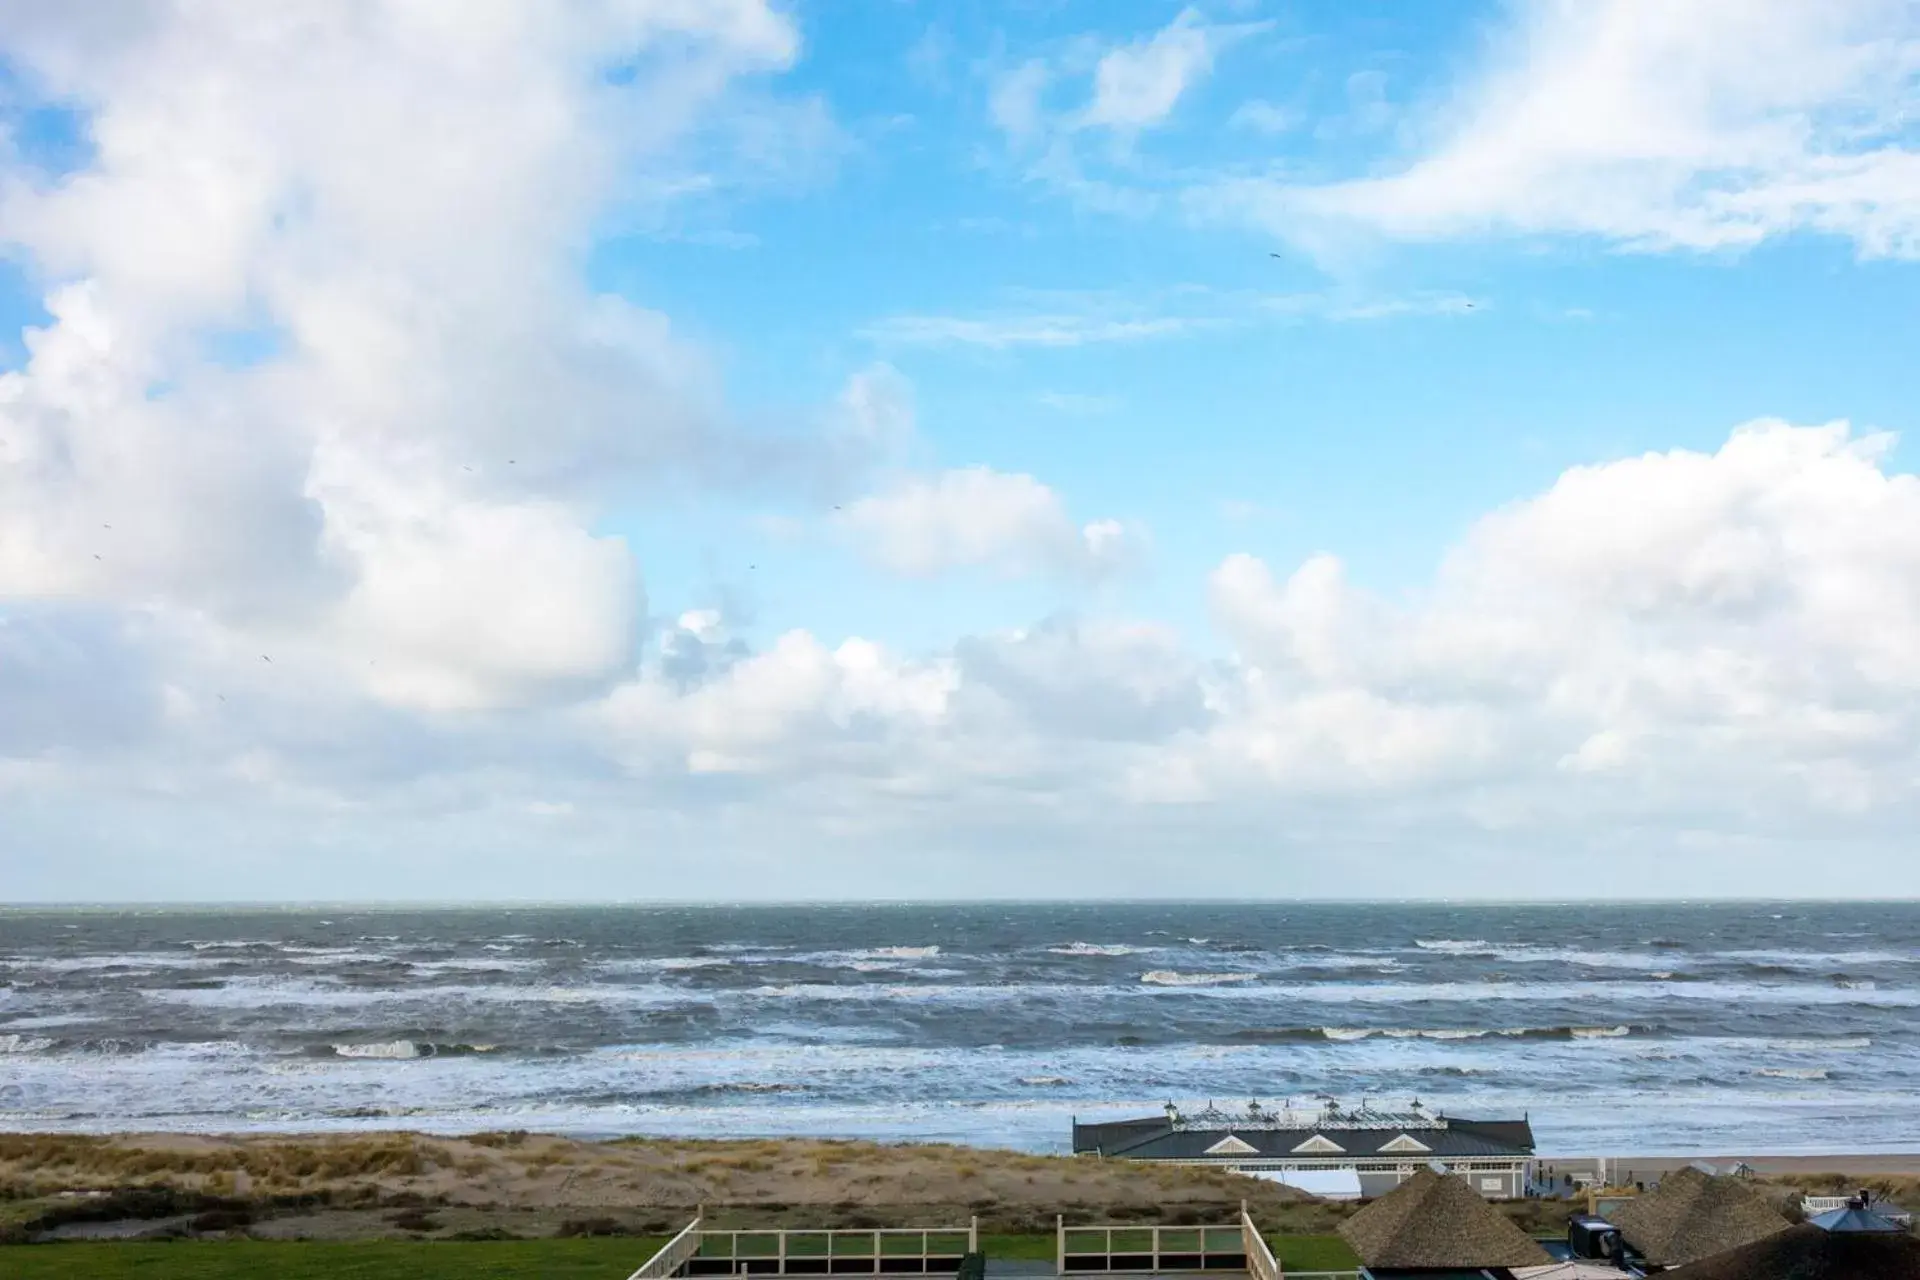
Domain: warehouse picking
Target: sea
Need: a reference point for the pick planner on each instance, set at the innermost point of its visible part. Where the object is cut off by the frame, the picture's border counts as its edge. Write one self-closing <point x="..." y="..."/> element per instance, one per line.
<point x="1617" y="1029"/>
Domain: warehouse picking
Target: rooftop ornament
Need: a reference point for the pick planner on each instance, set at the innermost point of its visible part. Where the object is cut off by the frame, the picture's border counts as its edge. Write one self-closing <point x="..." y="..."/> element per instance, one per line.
<point x="1329" y="1115"/>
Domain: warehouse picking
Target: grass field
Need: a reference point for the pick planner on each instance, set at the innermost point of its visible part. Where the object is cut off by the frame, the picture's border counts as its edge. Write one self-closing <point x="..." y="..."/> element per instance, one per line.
<point x="1313" y="1253"/>
<point x="604" y="1259"/>
<point x="611" y="1259"/>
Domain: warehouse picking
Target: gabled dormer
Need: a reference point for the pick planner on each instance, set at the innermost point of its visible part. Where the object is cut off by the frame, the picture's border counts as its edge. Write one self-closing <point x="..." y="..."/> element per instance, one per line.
<point x="1406" y="1144"/>
<point x="1319" y="1145"/>
<point x="1232" y="1146"/>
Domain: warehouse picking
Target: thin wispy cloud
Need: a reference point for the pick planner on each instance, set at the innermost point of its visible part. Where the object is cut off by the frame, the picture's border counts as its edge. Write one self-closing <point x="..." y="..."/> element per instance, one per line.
<point x="1001" y="333"/>
<point x="1648" y="125"/>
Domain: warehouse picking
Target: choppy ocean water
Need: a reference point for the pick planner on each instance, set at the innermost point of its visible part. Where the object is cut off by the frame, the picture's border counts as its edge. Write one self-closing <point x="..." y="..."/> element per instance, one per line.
<point x="1643" y="1029"/>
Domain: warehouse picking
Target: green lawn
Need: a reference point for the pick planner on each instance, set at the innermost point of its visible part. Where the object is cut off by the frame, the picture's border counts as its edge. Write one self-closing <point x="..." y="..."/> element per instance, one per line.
<point x="1313" y="1253"/>
<point x="601" y="1259"/>
<point x="1028" y="1247"/>
<point x="607" y="1259"/>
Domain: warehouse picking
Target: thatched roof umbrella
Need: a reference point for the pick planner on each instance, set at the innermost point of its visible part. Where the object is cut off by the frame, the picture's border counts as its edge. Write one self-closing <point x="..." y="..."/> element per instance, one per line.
<point x="1436" y="1221"/>
<point x="1692" y="1215"/>
<point x="1848" y="1244"/>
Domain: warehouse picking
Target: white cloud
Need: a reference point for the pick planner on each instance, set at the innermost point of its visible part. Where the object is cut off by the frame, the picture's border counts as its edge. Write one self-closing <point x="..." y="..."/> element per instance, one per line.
<point x="1655" y="126"/>
<point x="1698" y="634"/>
<point x="1063" y="319"/>
<point x="976" y="517"/>
<point x="402" y="484"/>
<point x="1000" y="333"/>
<point x="1137" y="85"/>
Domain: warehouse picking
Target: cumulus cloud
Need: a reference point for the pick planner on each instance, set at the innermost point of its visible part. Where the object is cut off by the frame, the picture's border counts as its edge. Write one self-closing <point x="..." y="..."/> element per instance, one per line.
<point x="1654" y="126"/>
<point x="387" y="202"/>
<point x="1675" y="633"/>
<point x="976" y="517"/>
<point x="1682" y="653"/>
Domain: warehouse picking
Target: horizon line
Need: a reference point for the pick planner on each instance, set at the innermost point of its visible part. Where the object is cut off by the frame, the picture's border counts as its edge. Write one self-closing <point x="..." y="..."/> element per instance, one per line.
<point x="460" y="904"/>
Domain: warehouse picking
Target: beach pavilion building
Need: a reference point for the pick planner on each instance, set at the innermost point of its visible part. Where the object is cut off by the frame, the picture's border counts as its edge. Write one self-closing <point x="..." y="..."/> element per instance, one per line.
<point x="1383" y="1148"/>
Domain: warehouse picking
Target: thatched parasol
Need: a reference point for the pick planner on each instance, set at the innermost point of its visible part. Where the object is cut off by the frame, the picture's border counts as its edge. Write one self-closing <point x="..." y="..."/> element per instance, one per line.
<point x="1806" y="1252"/>
<point x="1437" y="1221"/>
<point x="1692" y="1215"/>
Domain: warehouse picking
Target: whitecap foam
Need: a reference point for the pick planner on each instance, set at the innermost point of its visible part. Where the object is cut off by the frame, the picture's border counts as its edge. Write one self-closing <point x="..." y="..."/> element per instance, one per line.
<point x="1792" y="1073"/>
<point x="1174" y="978"/>
<point x="1454" y="946"/>
<point x="899" y="953"/>
<point x="1600" y="1033"/>
<point x="16" y="1043"/>
<point x="393" y="1050"/>
<point x="662" y="964"/>
<point x="1095" y="949"/>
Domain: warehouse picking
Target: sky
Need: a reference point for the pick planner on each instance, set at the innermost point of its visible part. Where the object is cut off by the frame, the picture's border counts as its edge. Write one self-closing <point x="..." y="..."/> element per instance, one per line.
<point x="732" y="450"/>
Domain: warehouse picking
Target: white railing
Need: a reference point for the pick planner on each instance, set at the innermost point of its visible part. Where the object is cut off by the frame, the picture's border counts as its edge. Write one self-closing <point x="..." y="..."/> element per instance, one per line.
<point x="1138" y="1250"/>
<point x="1813" y="1206"/>
<point x="1261" y="1264"/>
<point x="672" y="1256"/>
<point x="886" y="1250"/>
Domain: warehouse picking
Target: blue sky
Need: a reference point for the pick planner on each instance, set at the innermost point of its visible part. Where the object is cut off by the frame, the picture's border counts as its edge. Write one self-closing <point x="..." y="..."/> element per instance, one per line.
<point x="1281" y="434"/>
<point x="862" y="448"/>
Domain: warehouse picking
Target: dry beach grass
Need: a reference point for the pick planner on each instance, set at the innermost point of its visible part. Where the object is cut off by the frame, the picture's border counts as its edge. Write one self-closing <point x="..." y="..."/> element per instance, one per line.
<point x="412" y="1186"/>
<point x="538" y="1184"/>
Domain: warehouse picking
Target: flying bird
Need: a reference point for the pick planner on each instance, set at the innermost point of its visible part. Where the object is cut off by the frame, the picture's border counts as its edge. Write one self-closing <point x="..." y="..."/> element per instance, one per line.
<point x="265" y="658"/>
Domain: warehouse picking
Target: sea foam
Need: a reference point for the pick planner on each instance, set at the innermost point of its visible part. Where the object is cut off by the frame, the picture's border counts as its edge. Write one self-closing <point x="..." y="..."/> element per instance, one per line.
<point x="1173" y="978"/>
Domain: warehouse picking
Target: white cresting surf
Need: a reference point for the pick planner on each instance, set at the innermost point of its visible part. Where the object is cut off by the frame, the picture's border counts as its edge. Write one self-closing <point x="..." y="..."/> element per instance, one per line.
<point x="1669" y="1028"/>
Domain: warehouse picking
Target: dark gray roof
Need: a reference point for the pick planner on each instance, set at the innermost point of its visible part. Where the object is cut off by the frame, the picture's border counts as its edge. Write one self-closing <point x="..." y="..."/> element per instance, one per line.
<point x="1156" y="1139"/>
<point x="1857" y="1218"/>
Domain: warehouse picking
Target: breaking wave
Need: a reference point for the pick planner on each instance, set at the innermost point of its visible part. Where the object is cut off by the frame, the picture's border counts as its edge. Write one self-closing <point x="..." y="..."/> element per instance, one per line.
<point x="1350" y="1034"/>
<point x="1173" y="978"/>
<point x="15" y="1043"/>
<point x="402" y="1050"/>
<point x="1095" y="949"/>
